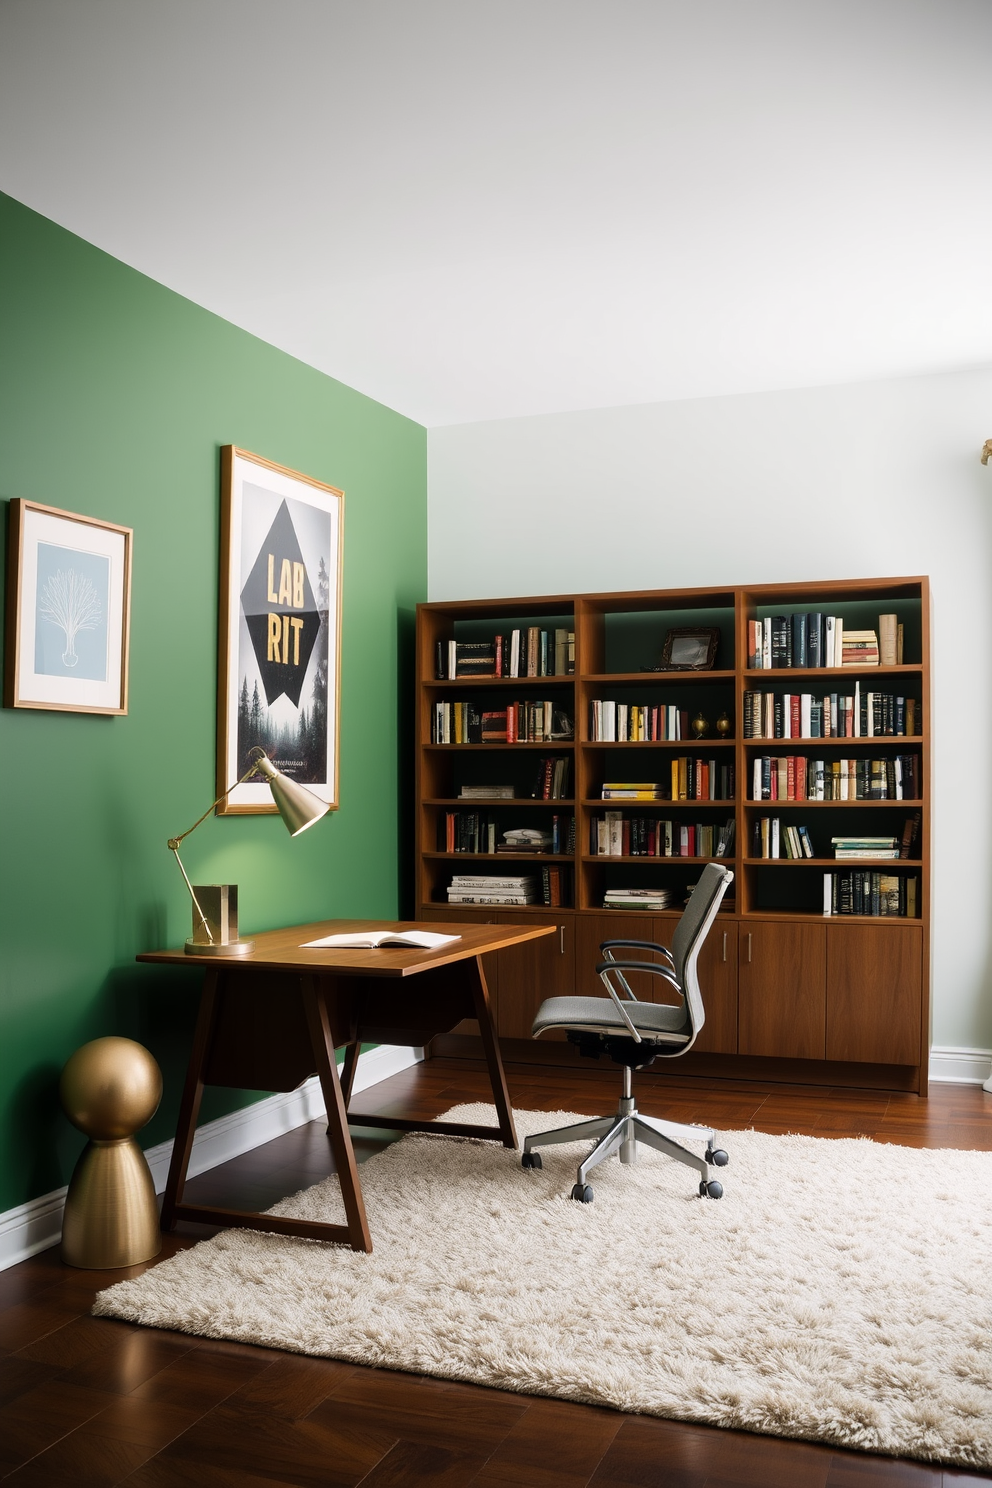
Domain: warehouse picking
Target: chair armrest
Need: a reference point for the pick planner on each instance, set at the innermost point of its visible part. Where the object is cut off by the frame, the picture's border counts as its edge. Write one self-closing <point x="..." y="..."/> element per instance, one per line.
<point x="639" y="945"/>
<point x="603" y="970"/>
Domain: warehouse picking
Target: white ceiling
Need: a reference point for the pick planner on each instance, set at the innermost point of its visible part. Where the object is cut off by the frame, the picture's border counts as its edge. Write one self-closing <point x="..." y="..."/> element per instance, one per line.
<point x="476" y="211"/>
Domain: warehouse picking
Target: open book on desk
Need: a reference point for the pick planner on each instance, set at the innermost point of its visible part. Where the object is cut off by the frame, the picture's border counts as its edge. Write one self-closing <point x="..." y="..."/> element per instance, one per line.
<point x="421" y="940"/>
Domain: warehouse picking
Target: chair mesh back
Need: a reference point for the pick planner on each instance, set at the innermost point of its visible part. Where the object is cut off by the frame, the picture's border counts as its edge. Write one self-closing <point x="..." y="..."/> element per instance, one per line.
<point x="691" y="931"/>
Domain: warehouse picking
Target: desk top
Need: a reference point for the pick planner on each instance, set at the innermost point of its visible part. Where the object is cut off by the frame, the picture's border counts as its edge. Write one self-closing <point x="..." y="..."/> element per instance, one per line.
<point x="284" y="949"/>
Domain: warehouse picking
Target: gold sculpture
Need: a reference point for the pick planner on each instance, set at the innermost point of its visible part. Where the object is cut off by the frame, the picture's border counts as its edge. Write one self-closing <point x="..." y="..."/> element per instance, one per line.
<point x="110" y="1089"/>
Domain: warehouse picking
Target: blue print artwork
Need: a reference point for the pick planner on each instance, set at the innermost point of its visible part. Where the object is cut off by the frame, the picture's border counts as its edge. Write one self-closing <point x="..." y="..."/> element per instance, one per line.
<point x="71" y="613"/>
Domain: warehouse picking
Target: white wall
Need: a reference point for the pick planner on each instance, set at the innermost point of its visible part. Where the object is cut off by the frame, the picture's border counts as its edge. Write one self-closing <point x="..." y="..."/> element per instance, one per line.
<point x="844" y="482"/>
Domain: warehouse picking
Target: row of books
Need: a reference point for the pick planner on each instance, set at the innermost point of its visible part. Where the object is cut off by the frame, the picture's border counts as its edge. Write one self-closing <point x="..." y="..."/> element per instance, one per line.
<point x="550" y="887"/>
<point x="642" y="899"/>
<point x="524" y="652"/>
<point x="614" y="835"/>
<point x="804" y="715"/>
<point x="548" y="781"/>
<point x="481" y="832"/>
<point x="517" y="723"/>
<point x="635" y="723"/>
<point x="812" y="639"/>
<point x="770" y="839"/>
<point x="867" y="892"/>
<point x="794" y="777"/>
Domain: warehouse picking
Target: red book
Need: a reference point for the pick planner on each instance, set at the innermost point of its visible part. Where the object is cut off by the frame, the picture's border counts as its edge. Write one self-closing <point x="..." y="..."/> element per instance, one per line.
<point x="511" y="723"/>
<point x="791" y="777"/>
<point x="801" y="778"/>
<point x="499" y="656"/>
<point x="624" y="839"/>
<point x="692" y="841"/>
<point x="795" y="726"/>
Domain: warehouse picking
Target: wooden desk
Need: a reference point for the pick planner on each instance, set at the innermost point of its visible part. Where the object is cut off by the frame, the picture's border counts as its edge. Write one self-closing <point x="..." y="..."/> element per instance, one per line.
<point x="270" y="1020"/>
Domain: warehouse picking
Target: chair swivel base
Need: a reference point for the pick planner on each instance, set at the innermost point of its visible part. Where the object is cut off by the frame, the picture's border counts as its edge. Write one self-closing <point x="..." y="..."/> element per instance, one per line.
<point x="620" y="1134"/>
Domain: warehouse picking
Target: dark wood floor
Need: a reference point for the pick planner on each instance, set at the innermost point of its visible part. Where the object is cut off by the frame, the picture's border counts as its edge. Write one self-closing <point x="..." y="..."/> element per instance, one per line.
<point x="89" y="1402"/>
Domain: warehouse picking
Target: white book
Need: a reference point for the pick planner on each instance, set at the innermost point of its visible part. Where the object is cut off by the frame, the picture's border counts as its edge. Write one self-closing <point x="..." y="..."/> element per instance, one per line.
<point x="424" y="940"/>
<point x="756" y="786"/>
<point x="870" y="706"/>
<point x="828" y="648"/>
<point x="609" y="721"/>
<point x="838" y="641"/>
<point x="828" y="897"/>
<point x="623" y="722"/>
<point x="805" y="711"/>
<point x="766" y="642"/>
<point x="511" y="899"/>
<point x="614" y="833"/>
<point x="857" y="709"/>
<point x="452" y="660"/>
<point x="787" y="715"/>
<point x="775" y="834"/>
<point x="515" y="653"/>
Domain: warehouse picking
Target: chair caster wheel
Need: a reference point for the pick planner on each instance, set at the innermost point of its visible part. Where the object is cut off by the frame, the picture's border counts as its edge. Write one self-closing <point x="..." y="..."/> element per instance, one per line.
<point x="719" y="1158"/>
<point x="531" y="1160"/>
<point x="582" y="1193"/>
<point x="711" y="1190"/>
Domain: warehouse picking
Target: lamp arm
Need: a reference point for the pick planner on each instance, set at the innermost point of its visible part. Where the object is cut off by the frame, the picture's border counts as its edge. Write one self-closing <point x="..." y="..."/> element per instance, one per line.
<point x="173" y="842"/>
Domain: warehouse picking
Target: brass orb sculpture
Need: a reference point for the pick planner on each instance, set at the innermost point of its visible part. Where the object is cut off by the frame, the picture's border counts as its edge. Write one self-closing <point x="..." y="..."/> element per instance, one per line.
<point x="700" y="725"/>
<point x="724" y="725"/>
<point x="110" y="1089"/>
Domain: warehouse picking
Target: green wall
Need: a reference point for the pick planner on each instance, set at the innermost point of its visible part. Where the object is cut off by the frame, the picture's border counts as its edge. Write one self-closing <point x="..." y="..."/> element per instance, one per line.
<point x="115" y="397"/>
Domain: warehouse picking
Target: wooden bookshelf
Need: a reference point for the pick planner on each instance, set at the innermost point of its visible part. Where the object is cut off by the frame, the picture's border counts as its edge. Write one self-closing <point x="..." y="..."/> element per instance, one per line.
<point x="790" y="993"/>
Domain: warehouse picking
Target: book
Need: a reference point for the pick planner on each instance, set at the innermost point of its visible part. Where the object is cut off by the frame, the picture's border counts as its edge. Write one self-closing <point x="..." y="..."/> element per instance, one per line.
<point x="486" y="792"/>
<point x="888" y="636"/>
<point x="424" y="940"/>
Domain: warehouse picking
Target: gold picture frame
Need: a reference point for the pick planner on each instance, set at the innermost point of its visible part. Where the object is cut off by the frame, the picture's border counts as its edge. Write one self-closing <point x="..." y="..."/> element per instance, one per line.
<point x="68" y="610"/>
<point x="279" y="665"/>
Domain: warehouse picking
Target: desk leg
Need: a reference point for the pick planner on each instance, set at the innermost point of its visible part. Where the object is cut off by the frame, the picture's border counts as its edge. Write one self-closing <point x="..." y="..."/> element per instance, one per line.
<point x="501" y="1095"/>
<point x="348" y="1069"/>
<point x="189" y="1107"/>
<point x="337" y="1116"/>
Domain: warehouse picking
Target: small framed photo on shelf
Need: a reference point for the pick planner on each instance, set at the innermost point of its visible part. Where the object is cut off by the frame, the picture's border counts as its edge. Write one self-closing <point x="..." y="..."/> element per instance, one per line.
<point x="690" y="650"/>
<point x="280" y="629"/>
<point x="68" y="610"/>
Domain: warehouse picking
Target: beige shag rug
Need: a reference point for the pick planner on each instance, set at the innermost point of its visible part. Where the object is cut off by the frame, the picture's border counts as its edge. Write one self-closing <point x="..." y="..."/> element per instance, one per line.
<point x="841" y="1291"/>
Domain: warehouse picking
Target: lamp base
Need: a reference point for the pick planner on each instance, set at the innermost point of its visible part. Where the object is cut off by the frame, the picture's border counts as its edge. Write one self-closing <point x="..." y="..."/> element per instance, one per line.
<point x="232" y="948"/>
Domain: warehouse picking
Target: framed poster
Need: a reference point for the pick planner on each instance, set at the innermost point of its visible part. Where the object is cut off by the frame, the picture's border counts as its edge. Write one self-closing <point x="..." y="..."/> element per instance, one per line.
<point x="280" y="629"/>
<point x="68" y="611"/>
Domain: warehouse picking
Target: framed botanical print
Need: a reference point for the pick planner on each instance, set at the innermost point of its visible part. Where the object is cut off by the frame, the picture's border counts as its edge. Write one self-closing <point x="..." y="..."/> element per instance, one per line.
<point x="67" y="612"/>
<point x="280" y="629"/>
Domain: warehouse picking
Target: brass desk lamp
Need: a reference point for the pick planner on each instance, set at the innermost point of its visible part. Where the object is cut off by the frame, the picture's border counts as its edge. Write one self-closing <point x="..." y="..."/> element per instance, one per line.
<point x="215" y="906"/>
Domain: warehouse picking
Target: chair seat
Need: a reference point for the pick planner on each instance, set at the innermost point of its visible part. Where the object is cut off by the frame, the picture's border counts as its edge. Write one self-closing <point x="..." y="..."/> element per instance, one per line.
<point x="653" y="1020"/>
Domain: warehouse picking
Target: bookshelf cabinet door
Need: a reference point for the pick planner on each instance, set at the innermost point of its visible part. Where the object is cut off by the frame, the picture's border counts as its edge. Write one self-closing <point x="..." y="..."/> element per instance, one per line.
<point x="783" y="987"/>
<point x="531" y="972"/>
<point x="717" y="970"/>
<point x="874" y="993"/>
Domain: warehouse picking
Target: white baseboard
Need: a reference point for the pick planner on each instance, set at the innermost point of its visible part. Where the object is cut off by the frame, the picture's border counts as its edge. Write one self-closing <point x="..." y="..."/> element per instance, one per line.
<point x="950" y="1066"/>
<point x="37" y="1224"/>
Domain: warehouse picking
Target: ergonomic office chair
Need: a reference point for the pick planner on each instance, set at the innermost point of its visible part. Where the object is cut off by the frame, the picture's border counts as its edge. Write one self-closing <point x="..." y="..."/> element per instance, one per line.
<point x="634" y="1033"/>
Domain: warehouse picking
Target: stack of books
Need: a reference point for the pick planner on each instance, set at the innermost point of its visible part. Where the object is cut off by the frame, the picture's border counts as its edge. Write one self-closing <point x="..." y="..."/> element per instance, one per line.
<point x="865" y="847"/>
<point x="859" y="648"/>
<point x="639" y="899"/>
<point x="483" y="888"/>
<point x="614" y="790"/>
<point x="486" y="793"/>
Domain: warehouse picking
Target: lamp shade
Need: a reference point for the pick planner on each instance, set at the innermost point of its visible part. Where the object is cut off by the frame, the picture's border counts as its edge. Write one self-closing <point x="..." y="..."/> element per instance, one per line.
<point x="298" y="807"/>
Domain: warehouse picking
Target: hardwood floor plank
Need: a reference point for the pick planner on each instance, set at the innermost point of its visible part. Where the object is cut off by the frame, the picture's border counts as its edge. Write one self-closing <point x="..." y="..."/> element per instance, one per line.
<point x="291" y="1387"/>
<point x="431" y="1412"/>
<point x="553" y="1436"/>
<point x="41" y="1417"/>
<point x="322" y="1451"/>
<point x="413" y="1465"/>
<point x="200" y="1380"/>
<point x="84" y="1459"/>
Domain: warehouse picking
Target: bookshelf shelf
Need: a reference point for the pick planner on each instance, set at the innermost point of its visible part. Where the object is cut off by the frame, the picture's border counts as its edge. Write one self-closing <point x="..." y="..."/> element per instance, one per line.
<point x="773" y="927"/>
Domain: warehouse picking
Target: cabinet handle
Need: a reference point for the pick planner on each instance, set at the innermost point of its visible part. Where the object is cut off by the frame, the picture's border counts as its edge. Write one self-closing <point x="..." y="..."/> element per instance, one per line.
<point x="724" y="945"/>
<point x="749" y="945"/>
<point x="561" y="939"/>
